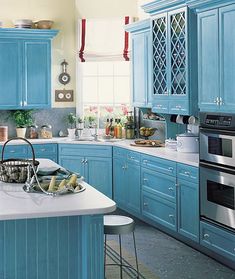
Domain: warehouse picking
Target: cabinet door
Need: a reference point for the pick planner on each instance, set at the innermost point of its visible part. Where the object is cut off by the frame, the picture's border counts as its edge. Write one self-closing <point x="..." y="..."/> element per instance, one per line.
<point x="208" y="61"/>
<point x="188" y="209"/>
<point x="10" y="77"/>
<point x="227" y="57"/>
<point x="178" y="59"/>
<point x="99" y="174"/>
<point x="133" y="187"/>
<point x="119" y="182"/>
<point x="75" y="164"/>
<point x="37" y="77"/>
<point x="139" y="69"/>
<point x="159" y="33"/>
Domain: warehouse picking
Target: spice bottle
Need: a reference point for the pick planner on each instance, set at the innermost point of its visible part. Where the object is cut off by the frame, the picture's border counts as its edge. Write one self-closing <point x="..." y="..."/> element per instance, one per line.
<point x="130" y="126"/>
<point x="119" y="129"/>
<point x="107" y="128"/>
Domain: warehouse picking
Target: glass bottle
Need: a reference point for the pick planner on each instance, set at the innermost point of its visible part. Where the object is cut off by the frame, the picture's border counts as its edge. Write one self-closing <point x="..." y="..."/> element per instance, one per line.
<point x="46" y="132"/>
<point x="119" y="129"/>
<point x="130" y="126"/>
<point x="107" y="128"/>
<point x="33" y="134"/>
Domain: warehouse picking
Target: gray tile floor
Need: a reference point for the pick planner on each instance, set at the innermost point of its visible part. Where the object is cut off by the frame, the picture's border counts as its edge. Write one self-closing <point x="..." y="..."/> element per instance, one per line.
<point x="171" y="259"/>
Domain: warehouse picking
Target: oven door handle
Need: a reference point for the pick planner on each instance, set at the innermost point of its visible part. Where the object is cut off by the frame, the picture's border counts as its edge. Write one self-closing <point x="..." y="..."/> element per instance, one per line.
<point x="215" y="167"/>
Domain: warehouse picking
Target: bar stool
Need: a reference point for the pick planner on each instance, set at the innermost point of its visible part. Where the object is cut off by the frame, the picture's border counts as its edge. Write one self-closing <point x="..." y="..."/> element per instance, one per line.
<point x="118" y="225"/>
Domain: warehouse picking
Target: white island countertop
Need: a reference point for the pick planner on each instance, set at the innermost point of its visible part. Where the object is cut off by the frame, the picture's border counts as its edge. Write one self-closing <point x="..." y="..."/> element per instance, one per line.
<point x="15" y="203"/>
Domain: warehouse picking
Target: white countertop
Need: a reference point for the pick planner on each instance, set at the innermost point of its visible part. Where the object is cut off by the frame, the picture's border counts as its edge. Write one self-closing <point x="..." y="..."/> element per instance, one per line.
<point x="15" y="203"/>
<point x="161" y="152"/>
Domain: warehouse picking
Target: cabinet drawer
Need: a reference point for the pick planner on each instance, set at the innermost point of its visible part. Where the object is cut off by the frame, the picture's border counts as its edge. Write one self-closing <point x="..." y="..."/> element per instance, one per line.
<point x="158" y="164"/>
<point x="15" y="151"/>
<point x="44" y="149"/>
<point x="218" y="240"/>
<point x="119" y="152"/>
<point x="158" y="183"/>
<point x="178" y="107"/>
<point x="159" y="210"/>
<point x="85" y="150"/>
<point x="160" y="106"/>
<point x="133" y="157"/>
<point x="187" y="172"/>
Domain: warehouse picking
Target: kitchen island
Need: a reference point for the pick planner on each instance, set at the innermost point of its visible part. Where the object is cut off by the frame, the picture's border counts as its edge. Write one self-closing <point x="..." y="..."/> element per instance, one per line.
<point x="52" y="237"/>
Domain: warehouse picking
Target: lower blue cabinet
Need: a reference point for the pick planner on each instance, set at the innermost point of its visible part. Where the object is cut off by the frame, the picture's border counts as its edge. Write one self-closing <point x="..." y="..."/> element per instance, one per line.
<point x="188" y="201"/>
<point x="126" y="180"/>
<point x="218" y="240"/>
<point x="94" y="163"/>
<point x="160" y="210"/>
<point x="46" y="151"/>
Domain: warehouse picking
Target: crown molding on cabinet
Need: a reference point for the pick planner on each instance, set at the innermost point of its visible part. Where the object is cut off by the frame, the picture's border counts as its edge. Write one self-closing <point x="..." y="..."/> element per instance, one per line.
<point x="158" y="5"/>
<point x="18" y="33"/>
<point x="138" y="26"/>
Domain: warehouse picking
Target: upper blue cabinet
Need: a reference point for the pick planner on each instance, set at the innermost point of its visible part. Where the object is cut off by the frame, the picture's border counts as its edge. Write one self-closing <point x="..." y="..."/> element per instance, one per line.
<point x="174" y="50"/>
<point x="25" y="67"/>
<point x="141" y="63"/>
<point x="216" y="58"/>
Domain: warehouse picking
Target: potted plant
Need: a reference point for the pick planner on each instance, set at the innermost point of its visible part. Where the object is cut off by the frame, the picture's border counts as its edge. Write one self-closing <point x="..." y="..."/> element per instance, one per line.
<point x="22" y="119"/>
<point x="71" y="121"/>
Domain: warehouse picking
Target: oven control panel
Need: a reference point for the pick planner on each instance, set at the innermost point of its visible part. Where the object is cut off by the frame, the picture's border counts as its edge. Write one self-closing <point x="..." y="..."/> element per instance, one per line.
<point x="223" y="121"/>
<point x="212" y="120"/>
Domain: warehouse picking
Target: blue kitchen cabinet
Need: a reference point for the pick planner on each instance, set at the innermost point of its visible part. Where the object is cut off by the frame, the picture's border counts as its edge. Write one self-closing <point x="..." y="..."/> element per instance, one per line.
<point x="158" y="185"/>
<point x="216" y="59"/>
<point x="174" y="54"/>
<point x="141" y="63"/>
<point x="188" y="201"/>
<point x="217" y="239"/>
<point x="126" y="180"/>
<point x="25" y="67"/>
<point x="93" y="162"/>
<point x="46" y="151"/>
<point x="15" y="151"/>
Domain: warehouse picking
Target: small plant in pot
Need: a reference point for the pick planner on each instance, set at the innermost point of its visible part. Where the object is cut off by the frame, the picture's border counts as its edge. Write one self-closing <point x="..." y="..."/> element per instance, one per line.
<point x="71" y="120"/>
<point x="22" y="119"/>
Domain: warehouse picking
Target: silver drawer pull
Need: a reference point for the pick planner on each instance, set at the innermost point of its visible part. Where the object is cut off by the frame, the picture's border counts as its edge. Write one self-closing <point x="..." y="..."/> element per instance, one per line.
<point x="170" y="169"/>
<point x="123" y="167"/>
<point x="171" y="216"/>
<point x="12" y="151"/>
<point x="178" y="107"/>
<point x="158" y="106"/>
<point x="187" y="173"/>
<point x="43" y="149"/>
<point x="145" y="179"/>
<point x="145" y="161"/>
<point x="171" y="189"/>
<point x="145" y="204"/>
<point x="206" y="235"/>
<point x="132" y="158"/>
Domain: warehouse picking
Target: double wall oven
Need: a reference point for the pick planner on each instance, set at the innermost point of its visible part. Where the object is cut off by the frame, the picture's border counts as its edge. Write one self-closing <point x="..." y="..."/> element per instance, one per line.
<point x="217" y="168"/>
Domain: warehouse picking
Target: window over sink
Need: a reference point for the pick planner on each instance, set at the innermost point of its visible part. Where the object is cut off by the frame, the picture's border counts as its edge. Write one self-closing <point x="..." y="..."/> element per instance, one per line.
<point x="103" y="90"/>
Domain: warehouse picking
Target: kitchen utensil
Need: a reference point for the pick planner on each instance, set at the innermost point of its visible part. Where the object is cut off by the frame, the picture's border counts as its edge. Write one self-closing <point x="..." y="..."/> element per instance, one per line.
<point x="188" y="143"/>
<point x="17" y="170"/>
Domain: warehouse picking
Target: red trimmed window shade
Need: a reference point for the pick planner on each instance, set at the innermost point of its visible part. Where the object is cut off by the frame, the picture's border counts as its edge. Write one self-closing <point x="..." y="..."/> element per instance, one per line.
<point x="103" y="39"/>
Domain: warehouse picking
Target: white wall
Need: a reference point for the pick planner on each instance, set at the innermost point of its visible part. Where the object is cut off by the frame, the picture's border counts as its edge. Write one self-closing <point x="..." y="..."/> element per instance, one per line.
<point x="141" y="13"/>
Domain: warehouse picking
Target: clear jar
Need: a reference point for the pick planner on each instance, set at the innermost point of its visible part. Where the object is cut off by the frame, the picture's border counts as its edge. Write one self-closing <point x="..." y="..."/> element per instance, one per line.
<point x="46" y="132"/>
<point x="33" y="133"/>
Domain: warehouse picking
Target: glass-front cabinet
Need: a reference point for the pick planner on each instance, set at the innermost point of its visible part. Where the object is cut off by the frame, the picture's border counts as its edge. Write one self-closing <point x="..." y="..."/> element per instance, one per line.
<point x="174" y="62"/>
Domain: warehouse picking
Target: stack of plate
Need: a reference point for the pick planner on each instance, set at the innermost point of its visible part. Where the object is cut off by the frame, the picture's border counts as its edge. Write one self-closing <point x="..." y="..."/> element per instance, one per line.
<point x="23" y="23"/>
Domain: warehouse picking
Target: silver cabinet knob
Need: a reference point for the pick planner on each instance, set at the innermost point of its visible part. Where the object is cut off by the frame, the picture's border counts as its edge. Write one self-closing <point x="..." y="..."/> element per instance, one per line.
<point x="171" y="216"/>
<point x="145" y="204"/>
<point x="171" y="189"/>
<point x="187" y="173"/>
<point x="145" y="161"/>
<point x="170" y="169"/>
<point x="206" y="235"/>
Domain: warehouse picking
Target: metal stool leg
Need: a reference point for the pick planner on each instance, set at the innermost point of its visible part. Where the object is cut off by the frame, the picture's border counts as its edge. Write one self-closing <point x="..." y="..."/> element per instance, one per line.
<point x="120" y="252"/>
<point x="136" y="259"/>
<point x="105" y="252"/>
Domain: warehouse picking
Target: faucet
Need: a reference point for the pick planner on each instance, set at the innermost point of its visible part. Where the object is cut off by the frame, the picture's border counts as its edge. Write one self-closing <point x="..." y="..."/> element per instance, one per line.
<point x="95" y="135"/>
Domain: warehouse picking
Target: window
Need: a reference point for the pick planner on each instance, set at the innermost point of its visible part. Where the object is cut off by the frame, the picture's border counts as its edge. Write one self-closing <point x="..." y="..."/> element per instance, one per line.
<point x="104" y="90"/>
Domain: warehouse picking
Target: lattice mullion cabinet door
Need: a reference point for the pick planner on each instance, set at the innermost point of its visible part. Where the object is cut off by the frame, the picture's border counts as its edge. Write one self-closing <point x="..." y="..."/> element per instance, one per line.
<point x="160" y="62"/>
<point x="178" y="52"/>
<point x="159" y="33"/>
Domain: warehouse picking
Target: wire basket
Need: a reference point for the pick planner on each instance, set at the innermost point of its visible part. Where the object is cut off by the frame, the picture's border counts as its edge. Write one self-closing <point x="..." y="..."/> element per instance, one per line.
<point x="17" y="170"/>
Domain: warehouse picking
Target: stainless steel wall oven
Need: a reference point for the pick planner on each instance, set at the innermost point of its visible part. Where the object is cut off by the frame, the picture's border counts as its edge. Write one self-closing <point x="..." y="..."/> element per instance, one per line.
<point x="217" y="168"/>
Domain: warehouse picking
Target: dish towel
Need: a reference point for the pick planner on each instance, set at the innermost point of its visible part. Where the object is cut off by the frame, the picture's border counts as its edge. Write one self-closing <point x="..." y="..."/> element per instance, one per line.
<point x="103" y="39"/>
